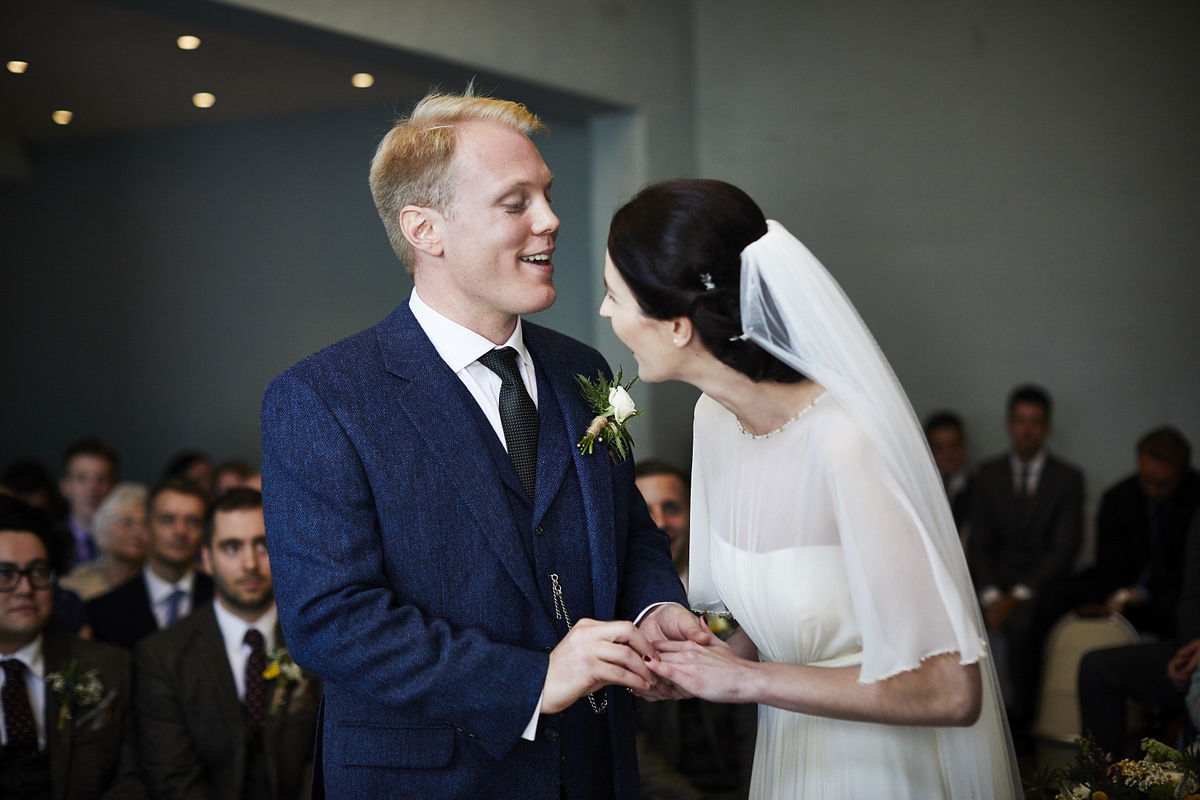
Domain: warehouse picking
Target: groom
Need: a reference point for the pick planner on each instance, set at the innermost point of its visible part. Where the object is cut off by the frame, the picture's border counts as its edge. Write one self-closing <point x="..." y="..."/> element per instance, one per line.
<point x="445" y="557"/>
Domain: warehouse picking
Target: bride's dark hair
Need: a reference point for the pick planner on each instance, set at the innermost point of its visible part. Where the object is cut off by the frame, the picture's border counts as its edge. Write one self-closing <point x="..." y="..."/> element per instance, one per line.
<point x="678" y="245"/>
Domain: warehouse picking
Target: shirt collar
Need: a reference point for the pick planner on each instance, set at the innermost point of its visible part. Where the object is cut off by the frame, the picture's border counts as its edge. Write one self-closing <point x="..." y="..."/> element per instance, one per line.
<point x="1034" y="464"/>
<point x="459" y="346"/>
<point x="160" y="589"/>
<point x="32" y="657"/>
<point x="233" y="628"/>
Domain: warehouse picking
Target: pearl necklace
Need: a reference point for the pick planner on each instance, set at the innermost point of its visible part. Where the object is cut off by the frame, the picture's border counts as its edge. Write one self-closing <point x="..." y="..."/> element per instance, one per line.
<point x="769" y="434"/>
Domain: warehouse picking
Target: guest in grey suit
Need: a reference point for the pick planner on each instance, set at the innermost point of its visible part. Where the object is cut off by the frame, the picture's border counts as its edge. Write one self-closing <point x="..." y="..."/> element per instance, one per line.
<point x="1026" y="529"/>
<point x="212" y="723"/>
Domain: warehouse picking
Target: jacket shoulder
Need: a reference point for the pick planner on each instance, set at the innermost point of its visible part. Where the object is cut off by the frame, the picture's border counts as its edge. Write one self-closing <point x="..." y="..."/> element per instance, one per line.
<point x="89" y="654"/>
<point x="173" y="640"/>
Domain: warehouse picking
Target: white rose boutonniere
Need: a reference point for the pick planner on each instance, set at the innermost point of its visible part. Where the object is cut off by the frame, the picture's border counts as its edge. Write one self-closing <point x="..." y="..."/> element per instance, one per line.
<point x="613" y="407"/>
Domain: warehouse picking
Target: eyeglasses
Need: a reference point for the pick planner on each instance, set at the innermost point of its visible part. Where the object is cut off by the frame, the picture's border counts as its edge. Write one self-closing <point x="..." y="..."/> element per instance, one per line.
<point x="40" y="577"/>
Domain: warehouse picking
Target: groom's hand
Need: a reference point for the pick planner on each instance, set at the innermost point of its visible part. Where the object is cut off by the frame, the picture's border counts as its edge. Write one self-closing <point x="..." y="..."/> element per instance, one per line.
<point x="593" y="655"/>
<point x="672" y="622"/>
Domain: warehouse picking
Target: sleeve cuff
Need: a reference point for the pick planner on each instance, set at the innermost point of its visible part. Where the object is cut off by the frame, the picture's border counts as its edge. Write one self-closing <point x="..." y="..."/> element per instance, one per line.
<point x="989" y="595"/>
<point x="530" y="732"/>
<point x="638" y="619"/>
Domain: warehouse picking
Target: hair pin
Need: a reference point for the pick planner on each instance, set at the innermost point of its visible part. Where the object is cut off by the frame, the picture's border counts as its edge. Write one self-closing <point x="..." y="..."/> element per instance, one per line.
<point x="743" y="337"/>
<point x="707" y="280"/>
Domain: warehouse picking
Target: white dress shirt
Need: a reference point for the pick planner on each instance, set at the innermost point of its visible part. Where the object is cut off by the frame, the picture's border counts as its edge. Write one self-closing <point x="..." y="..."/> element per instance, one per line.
<point x="1034" y="465"/>
<point x="160" y="590"/>
<point x="461" y="348"/>
<point x="233" y="631"/>
<point x="35" y="683"/>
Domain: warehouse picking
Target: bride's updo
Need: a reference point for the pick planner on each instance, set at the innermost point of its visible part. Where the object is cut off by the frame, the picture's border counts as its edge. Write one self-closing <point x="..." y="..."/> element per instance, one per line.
<point x="678" y="245"/>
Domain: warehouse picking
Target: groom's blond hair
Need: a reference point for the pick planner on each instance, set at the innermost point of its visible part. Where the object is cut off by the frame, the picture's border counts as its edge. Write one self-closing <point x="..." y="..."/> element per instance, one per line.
<point x="412" y="165"/>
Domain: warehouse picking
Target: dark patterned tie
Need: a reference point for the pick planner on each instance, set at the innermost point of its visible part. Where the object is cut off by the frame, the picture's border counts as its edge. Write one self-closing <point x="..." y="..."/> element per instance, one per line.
<point x="256" y="685"/>
<point x="518" y="415"/>
<point x="18" y="713"/>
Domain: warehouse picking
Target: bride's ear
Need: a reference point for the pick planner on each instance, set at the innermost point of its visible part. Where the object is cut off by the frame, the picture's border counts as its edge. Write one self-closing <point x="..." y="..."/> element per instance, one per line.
<point x="682" y="331"/>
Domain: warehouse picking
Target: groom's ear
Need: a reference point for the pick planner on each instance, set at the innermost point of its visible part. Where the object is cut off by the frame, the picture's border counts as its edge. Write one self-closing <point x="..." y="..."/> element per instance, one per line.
<point x="422" y="227"/>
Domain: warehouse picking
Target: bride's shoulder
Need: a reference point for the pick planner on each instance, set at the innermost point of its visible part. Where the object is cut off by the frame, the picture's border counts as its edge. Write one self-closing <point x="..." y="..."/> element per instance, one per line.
<point x="835" y="430"/>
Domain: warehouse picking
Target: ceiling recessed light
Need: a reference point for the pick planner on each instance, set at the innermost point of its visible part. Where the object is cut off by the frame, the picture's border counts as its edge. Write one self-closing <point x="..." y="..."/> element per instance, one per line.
<point x="362" y="79"/>
<point x="203" y="100"/>
<point x="188" y="42"/>
<point x="17" y="66"/>
<point x="62" y="117"/>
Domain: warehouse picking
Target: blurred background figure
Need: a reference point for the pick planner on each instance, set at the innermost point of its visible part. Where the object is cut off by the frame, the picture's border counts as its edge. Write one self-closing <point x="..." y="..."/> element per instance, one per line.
<point x="28" y="480"/>
<point x="234" y="474"/>
<point x="948" y="443"/>
<point x="1026" y="531"/>
<point x="89" y="471"/>
<point x="194" y="465"/>
<point x="665" y="489"/>
<point x="1147" y="569"/>
<point x="689" y="749"/>
<point x="121" y="539"/>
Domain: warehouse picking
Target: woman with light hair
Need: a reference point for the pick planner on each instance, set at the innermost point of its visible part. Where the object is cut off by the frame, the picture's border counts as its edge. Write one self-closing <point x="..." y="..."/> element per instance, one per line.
<point x="119" y="526"/>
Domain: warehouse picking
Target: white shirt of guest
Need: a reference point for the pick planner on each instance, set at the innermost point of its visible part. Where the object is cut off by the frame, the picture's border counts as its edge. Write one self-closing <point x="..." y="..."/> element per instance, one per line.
<point x="233" y="631"/>
<point x="461" y="348"/>
<point x="160" y="590"/>
<point x="1034" y="465"/>
<point x="35" y="683"/>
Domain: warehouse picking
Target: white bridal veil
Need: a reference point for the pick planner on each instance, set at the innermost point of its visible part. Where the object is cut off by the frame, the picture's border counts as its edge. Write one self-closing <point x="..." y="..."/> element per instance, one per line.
<point x="792" y="307"/>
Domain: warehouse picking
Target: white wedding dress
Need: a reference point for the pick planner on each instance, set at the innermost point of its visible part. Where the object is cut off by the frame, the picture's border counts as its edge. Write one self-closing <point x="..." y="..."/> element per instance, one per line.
<point x="813" y="546"/>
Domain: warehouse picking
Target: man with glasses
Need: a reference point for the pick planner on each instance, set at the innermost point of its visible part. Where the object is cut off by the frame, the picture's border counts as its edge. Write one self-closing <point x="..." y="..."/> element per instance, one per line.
<point x="168" y="587"/>
<point x="66" y="727"/>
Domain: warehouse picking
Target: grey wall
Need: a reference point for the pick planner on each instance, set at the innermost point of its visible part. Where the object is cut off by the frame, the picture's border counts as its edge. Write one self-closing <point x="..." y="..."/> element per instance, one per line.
<point x="153" y="284"/>
<point x="1007" y="191"/>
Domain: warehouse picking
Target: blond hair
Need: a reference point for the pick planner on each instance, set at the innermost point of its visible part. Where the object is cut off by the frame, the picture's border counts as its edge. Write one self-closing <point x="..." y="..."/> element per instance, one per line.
<point x="412" y="164"/>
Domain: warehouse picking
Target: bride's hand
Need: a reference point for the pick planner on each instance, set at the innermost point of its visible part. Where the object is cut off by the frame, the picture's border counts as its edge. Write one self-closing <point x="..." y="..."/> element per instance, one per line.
<point x="714" y="671"/>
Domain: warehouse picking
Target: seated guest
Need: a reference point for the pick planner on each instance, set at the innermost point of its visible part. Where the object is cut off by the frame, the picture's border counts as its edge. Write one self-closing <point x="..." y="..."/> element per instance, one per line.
<point x="168" y="586"/>
<point x="89" y="473"/>
<point x="232" y="474"/>
<point x="121" y="539"/>
<point x="1148" y="568"/>
<point x="1141" y="532"/>
<point x="193" y="465"/>
<point x="59" y="741"/>
<point x="665" y="490"/>
<point x="688" y="748"/>
<point x="948" y="443"/>
<point x="1026" y="530"/>
<point x="211" y="724"/>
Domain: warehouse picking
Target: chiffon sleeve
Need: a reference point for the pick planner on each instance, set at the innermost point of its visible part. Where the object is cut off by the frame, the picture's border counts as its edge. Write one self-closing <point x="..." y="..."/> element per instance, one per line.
<point x="908" y="606"/>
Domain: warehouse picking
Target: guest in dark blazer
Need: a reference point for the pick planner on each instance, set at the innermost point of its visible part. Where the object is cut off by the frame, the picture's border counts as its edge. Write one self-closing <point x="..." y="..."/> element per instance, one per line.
<point x="948" y="443"/>
<point x="211" y="724"/>
<point x="67" y="729"/>
<point x="168" y="586"/>
<point x="1026" y="530"/>
<point x="1142" y="563"/>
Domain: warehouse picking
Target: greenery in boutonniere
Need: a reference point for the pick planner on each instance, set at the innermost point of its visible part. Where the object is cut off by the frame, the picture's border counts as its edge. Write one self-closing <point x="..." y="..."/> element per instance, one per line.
<point x="613" y="407"/>
<point x="75" y="690"/>
<point x="281" y="669"/>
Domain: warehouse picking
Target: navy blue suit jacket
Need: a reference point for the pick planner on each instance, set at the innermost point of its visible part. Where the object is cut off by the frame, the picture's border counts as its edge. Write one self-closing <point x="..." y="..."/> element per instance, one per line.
<point x="401" y="575"/>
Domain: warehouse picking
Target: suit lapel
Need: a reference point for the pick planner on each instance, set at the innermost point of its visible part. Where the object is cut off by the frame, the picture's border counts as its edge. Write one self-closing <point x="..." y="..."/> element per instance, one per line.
<point x="210" y="647"/>
<point x="56" y="657"/>
<point x="594" y="470"/>
<point x="430" y="396"/>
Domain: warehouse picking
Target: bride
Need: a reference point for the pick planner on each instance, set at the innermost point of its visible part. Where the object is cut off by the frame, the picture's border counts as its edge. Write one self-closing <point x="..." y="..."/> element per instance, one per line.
<point x="818" y="520"/>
